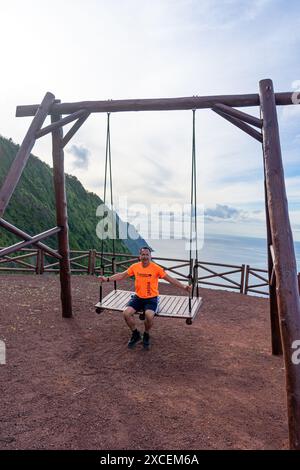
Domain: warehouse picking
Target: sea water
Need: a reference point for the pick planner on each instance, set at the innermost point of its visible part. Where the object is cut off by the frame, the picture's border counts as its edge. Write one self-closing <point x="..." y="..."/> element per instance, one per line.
<point x="220" y="249"/>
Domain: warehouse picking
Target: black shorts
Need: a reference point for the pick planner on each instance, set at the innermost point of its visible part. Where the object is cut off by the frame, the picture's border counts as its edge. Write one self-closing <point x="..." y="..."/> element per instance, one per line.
<point x="140" y="304"/>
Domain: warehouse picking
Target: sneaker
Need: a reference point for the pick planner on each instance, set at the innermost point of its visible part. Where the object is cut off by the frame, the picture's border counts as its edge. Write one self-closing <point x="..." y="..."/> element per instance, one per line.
<point x="135" y="338"/>
<point x="146" y="340"/>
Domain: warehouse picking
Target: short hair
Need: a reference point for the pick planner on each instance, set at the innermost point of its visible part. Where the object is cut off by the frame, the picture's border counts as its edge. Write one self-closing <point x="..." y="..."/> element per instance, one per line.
<point x="145" y="248"/>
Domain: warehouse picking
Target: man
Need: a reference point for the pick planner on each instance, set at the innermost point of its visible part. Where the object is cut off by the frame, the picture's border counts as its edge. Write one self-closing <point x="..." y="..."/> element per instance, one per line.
<point x="146" y="275"/>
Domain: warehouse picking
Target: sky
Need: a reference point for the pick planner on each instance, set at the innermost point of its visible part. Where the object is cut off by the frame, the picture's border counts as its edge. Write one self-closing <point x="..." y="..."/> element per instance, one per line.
<point x="100" y="50"/>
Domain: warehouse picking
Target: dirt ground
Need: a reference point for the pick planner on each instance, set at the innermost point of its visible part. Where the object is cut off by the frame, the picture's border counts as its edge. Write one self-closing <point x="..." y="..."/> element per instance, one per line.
<point x="73" y="384"/>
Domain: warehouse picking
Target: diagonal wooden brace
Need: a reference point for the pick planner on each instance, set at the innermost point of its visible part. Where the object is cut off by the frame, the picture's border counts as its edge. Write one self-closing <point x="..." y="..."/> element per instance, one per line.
<point x="19" y="233"/>
<point x="23" y="153"/>
<point x="36" y="238"/>
<point x="74" y="129"/>
<point x="254" y="121"/>
<point x="240" y="124"/>
<point x="60" y="123"/>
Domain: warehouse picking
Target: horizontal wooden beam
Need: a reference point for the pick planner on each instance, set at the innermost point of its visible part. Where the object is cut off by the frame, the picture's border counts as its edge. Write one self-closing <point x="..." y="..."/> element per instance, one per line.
<point x="21" y="234"/>
<point x="159" y="104"/>
<point x="32" y="241"/>
<point x="241" y="125"/>
<point x="62" y="122"/>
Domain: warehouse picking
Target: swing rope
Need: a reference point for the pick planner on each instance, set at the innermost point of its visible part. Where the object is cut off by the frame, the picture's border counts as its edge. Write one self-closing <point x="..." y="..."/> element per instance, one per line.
<point x="193" y="274"/>
<point x="111" y="218"/>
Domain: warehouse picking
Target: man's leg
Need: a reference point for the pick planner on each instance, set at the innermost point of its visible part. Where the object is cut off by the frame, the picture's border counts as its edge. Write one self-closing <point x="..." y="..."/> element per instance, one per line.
<point x="129" y="318"/>
<point x="149" y="317"/>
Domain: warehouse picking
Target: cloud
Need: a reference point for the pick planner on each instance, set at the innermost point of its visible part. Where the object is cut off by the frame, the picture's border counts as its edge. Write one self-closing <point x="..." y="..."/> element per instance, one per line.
<point x="223" y="212"/>
<point x="229" y="13"/>
<point x="81" y="156"/>
<point x="157" y="180"/>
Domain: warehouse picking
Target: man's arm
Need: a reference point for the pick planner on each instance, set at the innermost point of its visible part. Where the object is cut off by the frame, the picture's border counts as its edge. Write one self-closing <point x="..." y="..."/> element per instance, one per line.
<point x="176" y="283"/>
<point x="114" y="277"/>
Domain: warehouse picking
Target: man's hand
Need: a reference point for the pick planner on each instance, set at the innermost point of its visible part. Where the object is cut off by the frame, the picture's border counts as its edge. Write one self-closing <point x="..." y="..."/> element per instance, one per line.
<point x="102" y="278"/>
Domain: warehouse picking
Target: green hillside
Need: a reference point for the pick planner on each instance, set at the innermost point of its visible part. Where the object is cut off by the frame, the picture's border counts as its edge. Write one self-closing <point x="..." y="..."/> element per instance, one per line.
<point x="32" y="206"/>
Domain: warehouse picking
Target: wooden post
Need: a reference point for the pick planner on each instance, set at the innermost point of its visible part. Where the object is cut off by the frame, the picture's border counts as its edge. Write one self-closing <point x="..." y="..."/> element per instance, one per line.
<point x="276" y="343"/>
<point x="247" y="268"/>
<point x="285" y="261"/>
<point x="89" y="262"/>
<point x="242" y="288"/>
<point x="38" y="261"/>
<point x="93" y="267"/>
<point x="62" y="218"/>
<point x="42" y="265"/>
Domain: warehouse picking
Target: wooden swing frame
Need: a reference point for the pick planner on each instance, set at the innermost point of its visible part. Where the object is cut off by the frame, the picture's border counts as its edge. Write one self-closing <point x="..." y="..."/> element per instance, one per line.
<point x="283" y="284"/>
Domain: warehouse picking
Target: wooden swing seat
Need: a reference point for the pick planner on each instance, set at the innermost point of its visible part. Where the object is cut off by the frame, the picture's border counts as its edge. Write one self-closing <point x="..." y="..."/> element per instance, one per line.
<point x="174" y="306"/>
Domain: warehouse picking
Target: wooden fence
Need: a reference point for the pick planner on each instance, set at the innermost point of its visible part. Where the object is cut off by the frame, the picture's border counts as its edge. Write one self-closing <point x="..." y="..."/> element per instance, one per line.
<point x="243" y="278"/>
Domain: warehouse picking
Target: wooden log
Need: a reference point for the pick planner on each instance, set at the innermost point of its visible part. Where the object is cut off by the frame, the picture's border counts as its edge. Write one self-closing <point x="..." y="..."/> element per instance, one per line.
<point x="216" y="284"/>
<point x="159" y="104"/>
<point x="254" y="273"/>
<point x="254" y="121"/>
<point x="75" y="258"/>
<point x="8" y="259"/>
<point x="273" y="279"/>
<point x="23" y="153"/>
<point x="18" y="269"/>
<point x="264" y="284"/>
<point x="285" y="261"/>
<point x="93" y="264"/>
<point x="62" y="218"/>
<point x="74" y="129"/>
<point x="272" y="253"/>
<point x="240" y="124"/>
<point x="31" y="241"/>
<point x="247" y="273"/>
<point x="20" y="233"/>
<point x="242" y="279"/>
<point x="201" y="264"/>
<point x="20" y="257"/>
<point x="276" y="343"/>
<point x="61" y="123"/>
<point x="257" y="291"/>
<point x="39" y="255"/>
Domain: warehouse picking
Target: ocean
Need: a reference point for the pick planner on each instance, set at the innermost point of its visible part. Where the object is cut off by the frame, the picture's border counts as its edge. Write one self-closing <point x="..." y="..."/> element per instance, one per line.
<point x="225" y="249"/>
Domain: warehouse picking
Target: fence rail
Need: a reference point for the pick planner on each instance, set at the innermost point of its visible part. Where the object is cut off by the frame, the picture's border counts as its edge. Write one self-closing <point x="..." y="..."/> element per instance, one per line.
<point x="242" y="278"/>
<point x="256" y="273"/>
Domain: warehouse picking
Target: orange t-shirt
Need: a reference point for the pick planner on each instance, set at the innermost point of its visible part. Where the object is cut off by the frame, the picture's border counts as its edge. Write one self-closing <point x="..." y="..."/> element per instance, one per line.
<point x="146" y="279"/>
